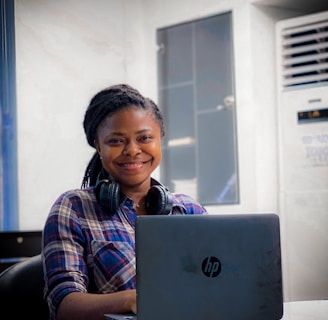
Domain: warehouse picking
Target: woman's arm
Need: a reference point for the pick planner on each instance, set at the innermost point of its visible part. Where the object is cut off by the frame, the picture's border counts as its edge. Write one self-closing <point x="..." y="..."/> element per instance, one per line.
<point x="78" y="305"/>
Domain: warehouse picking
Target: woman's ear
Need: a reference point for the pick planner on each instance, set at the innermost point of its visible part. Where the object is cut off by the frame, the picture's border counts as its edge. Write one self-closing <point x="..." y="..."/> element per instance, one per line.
<point x="96" y="144"/>
<point x="98" y="149"/>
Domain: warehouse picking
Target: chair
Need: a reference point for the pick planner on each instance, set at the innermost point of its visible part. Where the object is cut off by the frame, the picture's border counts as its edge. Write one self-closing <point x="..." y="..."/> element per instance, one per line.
<point x="21" y="290"/>
<point x="16" y="246"/>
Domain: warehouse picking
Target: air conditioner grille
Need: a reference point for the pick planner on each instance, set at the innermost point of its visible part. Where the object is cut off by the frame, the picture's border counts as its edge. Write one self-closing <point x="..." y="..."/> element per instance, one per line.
<point x="305" y="55"/>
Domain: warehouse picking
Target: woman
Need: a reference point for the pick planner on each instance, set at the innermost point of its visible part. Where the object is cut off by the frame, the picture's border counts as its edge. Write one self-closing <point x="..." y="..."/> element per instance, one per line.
<point x="88" y="245"/>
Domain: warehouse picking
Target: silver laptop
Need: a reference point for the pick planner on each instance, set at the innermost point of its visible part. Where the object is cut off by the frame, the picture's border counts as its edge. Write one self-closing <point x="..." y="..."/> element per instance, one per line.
<point x="196" y="267"/>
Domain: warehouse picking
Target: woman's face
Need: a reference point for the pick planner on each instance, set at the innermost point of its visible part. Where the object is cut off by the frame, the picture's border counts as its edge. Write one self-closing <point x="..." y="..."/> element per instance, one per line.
<point x="129" y="143"/>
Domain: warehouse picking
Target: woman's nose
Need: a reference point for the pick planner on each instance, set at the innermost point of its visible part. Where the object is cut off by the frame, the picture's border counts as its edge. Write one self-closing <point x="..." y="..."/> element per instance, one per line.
<point x="131" y="149"/>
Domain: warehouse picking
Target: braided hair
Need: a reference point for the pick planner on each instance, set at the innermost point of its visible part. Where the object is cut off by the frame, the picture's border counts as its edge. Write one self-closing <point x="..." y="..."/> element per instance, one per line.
<point x="104" y="104"/>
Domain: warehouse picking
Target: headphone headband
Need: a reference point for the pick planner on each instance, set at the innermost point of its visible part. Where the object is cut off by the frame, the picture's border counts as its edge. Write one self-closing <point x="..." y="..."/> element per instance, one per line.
<point x="158" y="199"/>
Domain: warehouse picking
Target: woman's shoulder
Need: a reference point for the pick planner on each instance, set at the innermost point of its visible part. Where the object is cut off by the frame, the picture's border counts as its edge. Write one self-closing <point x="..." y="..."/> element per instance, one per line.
<point x="75" y="203"/>
<point x="77" y="195"/>
<point x="188" y="203"/>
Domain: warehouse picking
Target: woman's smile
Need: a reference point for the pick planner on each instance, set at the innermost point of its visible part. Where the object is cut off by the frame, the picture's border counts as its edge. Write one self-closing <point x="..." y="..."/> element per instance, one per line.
<point x="132" y="165"/>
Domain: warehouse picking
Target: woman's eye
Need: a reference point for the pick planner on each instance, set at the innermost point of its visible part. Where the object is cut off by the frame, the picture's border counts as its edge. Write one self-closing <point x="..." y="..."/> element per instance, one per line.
<point x="114" y="142"/>
<point x="145" y="138"/>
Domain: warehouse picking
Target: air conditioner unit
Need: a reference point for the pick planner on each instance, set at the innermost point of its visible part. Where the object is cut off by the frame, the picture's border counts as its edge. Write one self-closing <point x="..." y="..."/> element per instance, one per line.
<point x="302" y="96"/>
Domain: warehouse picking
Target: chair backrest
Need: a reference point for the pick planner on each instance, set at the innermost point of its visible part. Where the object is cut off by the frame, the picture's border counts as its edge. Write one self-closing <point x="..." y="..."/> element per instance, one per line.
<point x="18" y="245"/>
<point x="21" y="290"/>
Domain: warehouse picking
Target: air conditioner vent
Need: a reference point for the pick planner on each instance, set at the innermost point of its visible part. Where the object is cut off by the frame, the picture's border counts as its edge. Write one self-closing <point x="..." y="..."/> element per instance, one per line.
<point x="305" y="55"/>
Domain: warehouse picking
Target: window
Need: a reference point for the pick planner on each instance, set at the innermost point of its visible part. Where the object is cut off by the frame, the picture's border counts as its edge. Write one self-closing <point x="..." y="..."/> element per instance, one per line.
<point x="196" y="95"/>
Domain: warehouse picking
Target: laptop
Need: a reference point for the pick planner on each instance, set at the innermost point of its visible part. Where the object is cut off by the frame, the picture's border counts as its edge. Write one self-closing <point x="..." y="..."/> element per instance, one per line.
<point x="197" y="267"/>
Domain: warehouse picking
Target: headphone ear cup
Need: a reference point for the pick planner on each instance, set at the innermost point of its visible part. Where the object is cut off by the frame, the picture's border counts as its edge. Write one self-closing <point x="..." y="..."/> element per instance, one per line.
<point x="108" y="195"/>
<point x="158" y="201"/>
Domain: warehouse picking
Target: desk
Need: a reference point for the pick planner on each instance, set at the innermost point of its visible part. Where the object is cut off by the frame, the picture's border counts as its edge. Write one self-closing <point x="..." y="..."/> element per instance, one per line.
<point x="306" y="310"/>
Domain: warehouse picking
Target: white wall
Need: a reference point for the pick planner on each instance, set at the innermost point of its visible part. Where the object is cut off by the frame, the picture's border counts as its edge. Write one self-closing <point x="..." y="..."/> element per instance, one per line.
<point x="68" y="50"/>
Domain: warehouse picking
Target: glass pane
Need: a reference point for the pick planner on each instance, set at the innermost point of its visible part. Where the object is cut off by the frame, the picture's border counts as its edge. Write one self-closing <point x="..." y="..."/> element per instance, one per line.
<point x="175" y="55"/>
<point x="180" y="163"/>
<point x="178" y="109"/>
<point x="217" y="178"/>
<point x="213" y="61"/>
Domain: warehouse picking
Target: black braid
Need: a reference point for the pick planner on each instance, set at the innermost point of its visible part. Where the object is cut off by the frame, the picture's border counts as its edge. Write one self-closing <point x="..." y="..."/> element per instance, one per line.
<point x="92" y="171"/>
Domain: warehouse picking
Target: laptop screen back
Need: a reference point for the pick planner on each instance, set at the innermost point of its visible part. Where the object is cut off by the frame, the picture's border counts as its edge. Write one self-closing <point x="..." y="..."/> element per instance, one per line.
<point x="220" y="267"/>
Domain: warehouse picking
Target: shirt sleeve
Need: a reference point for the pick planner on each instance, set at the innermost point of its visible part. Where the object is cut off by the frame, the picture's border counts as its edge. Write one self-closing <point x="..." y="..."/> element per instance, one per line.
<point x="63" y="243"/>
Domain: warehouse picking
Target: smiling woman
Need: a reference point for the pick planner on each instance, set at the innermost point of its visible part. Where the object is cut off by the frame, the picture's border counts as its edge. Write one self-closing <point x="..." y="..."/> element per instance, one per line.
<point x="89" y="235"/>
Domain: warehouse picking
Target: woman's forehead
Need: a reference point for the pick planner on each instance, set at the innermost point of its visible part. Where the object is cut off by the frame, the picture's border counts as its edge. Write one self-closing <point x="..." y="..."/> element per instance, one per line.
<point x="129" y="117"/>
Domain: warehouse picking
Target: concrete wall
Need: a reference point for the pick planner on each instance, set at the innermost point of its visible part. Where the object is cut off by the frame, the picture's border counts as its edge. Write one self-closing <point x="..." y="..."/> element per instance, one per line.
<point x="68" y="50"/>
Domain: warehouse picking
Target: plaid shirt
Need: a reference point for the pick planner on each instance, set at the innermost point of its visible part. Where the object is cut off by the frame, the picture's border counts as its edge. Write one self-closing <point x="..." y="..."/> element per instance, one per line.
<point x="88" y="250"/>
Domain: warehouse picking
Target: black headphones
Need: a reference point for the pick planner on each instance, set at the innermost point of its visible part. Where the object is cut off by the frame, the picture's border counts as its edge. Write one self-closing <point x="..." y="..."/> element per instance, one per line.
<point x="158" y="199"/>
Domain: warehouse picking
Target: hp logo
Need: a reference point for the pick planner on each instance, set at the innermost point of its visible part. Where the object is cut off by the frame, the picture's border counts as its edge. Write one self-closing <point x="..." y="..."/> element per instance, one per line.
<point x="211" y="267"/>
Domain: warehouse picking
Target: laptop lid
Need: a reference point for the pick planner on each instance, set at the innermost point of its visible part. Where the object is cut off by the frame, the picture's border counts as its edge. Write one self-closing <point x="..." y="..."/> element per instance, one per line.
<point x="209" y="267"/>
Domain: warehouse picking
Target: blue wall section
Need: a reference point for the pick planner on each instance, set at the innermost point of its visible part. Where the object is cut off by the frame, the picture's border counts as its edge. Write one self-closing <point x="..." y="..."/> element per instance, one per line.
<point x="9" y="184"/>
